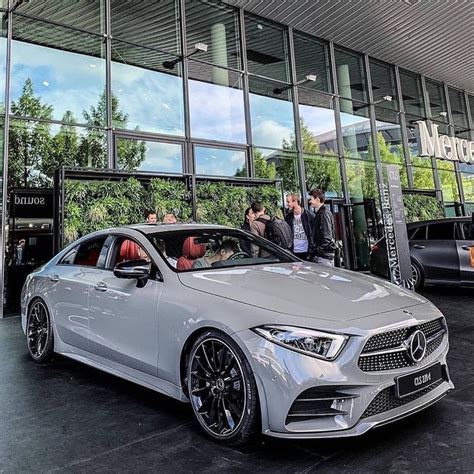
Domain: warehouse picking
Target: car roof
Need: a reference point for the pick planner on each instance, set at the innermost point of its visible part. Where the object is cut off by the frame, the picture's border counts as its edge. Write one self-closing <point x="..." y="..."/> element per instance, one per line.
<point x="439" y="221"/>
<point x="160" y="227"/>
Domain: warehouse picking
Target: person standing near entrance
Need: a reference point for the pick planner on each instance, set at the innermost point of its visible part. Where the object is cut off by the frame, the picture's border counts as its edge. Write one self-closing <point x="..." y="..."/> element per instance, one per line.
<point x="301" y="223"/>
<point x="150" y="217"/>
<point x="322" y="246"/>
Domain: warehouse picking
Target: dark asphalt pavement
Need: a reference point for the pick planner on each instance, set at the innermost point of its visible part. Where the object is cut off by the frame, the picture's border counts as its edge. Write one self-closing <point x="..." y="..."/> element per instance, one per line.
<point x="68" y="417"/>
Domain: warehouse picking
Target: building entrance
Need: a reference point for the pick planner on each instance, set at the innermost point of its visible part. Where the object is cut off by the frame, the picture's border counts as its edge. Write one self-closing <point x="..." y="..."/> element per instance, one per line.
<point x="30" y="238"/>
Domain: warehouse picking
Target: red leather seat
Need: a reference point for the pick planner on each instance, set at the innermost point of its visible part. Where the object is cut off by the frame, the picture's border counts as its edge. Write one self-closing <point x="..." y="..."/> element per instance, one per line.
<point x="91" y="258"/>
<point x="191" y="252"/>
<point x="128" y="251"/>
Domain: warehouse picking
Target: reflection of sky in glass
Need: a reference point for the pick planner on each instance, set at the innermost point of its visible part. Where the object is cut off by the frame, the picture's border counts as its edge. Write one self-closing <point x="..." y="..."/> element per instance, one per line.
<point x="217" y="112"/>
<point x="3" y="54"/>
<point x="272" y="120"/>
<point x="152" y="100"/>
<point x="162" y="157"/>
<point x="218" y="161"/>
<point x="67" y="81"/>
<point x="321" y="122"/>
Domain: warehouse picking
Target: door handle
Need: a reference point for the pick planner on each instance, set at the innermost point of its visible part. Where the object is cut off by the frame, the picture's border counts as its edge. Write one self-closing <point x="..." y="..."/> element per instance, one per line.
<point x="467" y="247"/>
<point x="54" y="278"/>
<point x="416" y="246"/>
<point x="101" y="286"/>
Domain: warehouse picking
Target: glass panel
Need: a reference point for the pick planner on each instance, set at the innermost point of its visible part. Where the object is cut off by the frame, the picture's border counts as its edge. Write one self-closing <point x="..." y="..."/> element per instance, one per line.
<point x="412" y="94"/>
<point x="152" y="23"/>
<point x="471" y="108"/>
<point x="323" y="173"/>
<point x="356" y="130"/>
<point x="271" y="113"/>
<point x="449" y="186"/>
<point x="219" y="162"/>
<point x="217" y="26"/>
<point x="3" y="60"/>
<point x="361" y="177"/>
<point x="149" y="156"/>
<point x="351" y="75"/>
<point x="273" y="164"/>
<point x="146" y="95"/>
<point x="458" y="108"/>
<point x="311" y="57"/>
<point x="84" y="14"/>
<point x="437" y="101"/>
<point x="389" y="136"/>
<point x="69" y="80"/>
<point x="413" y="140"/>
<point x="383" y="84"/>
<point x="317" y="122"/>
<point x="267" y="49"/>
<point x="216" y="101"/>
<point x="445" y="165"/>
<point x="37" y="149"/>
<point x="423" y="177"/>
<point x="468" y="186"/>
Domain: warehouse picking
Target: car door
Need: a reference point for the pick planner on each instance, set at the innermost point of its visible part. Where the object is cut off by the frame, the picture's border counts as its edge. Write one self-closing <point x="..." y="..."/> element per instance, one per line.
<point x="465" y="246"/>
<point x="123" y="318"/>
<point x="69" y="293"/>
<point x="437" y="252"/>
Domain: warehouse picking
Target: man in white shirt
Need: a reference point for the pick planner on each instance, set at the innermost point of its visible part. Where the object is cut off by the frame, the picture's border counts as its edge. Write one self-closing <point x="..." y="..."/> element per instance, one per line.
<point x="301" y="223"/>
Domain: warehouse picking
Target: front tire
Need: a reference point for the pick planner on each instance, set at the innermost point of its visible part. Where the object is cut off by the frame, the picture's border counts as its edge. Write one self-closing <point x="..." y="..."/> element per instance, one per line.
<point x="39" y="332"/>
<point x="222" y="389"/>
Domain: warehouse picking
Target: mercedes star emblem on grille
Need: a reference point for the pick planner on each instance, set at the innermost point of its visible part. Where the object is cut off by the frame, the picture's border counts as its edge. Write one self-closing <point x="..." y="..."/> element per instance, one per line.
<point x="417" y="346"/>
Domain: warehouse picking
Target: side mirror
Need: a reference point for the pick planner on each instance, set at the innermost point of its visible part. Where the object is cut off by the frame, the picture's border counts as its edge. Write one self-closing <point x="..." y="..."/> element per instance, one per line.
<point x="134" y="269"/>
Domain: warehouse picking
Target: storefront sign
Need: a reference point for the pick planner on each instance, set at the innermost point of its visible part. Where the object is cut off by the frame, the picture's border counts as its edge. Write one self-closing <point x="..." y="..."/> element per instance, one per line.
<point x="31" y="203"/>
<point x="393" y="213"/>
<point x="442" y="146"/>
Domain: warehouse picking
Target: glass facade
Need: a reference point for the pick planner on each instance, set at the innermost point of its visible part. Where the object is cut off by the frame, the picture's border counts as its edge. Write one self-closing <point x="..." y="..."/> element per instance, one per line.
<point x="200" y="87"/>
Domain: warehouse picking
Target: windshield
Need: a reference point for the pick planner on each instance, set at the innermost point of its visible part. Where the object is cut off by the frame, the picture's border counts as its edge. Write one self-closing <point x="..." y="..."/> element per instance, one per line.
<point x="200" y="249"/>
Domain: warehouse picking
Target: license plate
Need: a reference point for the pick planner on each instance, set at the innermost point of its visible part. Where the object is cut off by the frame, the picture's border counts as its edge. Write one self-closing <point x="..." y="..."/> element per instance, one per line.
<point x="412" y="383"/>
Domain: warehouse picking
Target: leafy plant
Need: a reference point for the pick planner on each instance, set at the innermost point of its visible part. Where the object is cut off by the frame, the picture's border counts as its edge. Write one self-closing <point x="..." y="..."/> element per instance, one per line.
<point x="419" y="207"/>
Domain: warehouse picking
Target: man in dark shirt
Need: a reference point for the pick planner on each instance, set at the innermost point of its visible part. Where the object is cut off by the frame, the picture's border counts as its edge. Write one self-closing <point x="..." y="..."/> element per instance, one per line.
<point x="323" y="246"/>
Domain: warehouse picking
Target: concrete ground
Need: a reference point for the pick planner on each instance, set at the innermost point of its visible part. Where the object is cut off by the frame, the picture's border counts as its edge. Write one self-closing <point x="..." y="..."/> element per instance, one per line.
<point x="68" y="417"/>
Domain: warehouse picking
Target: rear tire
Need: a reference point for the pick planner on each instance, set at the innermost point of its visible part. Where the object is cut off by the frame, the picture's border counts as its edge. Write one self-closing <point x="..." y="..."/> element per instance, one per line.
<point x="222" y="389"/>
<point x="417" y="275"/>
<point x="39" y="332"/>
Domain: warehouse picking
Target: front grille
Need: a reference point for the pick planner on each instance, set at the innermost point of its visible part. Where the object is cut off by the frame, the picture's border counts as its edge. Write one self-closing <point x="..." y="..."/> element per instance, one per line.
<point x="318" y="402"/>
<point x="398" y="357"/>
<point x="387" y="400"/>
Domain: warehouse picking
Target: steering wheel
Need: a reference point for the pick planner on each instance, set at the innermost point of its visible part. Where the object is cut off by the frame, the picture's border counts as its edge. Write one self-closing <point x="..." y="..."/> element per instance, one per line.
<point x="238" y="256"/>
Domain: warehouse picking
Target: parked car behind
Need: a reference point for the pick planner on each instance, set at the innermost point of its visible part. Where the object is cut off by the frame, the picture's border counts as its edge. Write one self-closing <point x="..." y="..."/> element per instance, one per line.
<point x="439" y="252"/>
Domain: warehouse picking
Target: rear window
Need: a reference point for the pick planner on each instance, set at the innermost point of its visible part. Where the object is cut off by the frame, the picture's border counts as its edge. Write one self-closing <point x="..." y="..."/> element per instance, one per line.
<point x="442" y="231"/>
<point x="417" y="233"/>
<point x="88" y="253"/>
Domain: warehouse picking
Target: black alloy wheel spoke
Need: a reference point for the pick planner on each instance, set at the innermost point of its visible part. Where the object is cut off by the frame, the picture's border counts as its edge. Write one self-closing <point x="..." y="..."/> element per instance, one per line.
<point x="217" y="387"/>
<point x="38" y="330"/>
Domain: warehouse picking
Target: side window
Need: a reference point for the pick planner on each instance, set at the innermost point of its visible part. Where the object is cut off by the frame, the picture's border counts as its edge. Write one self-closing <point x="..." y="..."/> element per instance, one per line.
<point x="68" y="259"/>
<point x="442" y="231"/>
<point x="88" y="253"/>
<point x="468" y="231"/>
<point x="127" y="249"/>
<point x="417" y="233"/>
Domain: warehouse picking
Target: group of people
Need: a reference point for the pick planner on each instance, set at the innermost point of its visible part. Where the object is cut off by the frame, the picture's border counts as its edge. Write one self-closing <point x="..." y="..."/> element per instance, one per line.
<point x="312" y="232"/>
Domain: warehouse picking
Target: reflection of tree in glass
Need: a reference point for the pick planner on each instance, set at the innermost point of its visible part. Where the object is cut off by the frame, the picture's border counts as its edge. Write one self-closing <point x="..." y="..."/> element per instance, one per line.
<point x="34" y="153"/>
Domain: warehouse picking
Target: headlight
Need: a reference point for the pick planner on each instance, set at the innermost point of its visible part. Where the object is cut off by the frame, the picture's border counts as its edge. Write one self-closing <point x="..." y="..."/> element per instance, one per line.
<point x="307" y="341"/>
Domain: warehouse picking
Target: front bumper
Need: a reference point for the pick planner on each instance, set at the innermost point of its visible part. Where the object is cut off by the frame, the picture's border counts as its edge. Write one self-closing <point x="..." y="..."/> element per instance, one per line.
<point x="282" y="375"/>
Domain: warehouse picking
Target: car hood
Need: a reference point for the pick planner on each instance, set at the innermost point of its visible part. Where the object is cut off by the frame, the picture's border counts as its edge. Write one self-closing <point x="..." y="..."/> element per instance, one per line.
<point x="305" y="290"/>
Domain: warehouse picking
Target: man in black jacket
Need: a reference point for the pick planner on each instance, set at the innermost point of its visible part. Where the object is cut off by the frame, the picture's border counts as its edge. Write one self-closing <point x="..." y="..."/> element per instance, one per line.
<point x="301" y="224"/>
<point x="323" y="245"/>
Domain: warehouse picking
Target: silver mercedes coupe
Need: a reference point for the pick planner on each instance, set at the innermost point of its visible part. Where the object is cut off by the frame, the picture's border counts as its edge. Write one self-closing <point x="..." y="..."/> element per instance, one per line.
<point x="254" y="338"/>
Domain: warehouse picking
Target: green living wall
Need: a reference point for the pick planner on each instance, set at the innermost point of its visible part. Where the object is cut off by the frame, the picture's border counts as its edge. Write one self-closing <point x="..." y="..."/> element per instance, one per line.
<point x="420" y="207"/>
<point x="100" y="204"/>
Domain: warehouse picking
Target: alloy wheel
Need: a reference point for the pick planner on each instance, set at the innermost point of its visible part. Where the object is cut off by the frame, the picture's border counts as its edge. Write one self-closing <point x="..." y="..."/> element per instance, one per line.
<point x="38" y="329"/>
<point x="415" y="275"/>
<point x="217" y="387"/>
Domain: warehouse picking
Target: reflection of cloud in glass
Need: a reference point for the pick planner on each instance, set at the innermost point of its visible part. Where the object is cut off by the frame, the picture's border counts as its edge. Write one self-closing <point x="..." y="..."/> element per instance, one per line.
<point x="349" y="119"/>
<point x="217" y="112"/>
<point x="65" y="80"/>
<point x="272" y="120"/>
<point x="218" y="162"/>
<point x="318" y="119"/>
<point x="162" y="157"/>
<point x="152" y="100"/>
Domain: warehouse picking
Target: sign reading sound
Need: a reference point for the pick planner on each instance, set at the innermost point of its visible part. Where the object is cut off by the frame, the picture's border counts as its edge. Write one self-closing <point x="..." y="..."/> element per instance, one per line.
<point x="442" y="146"/>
